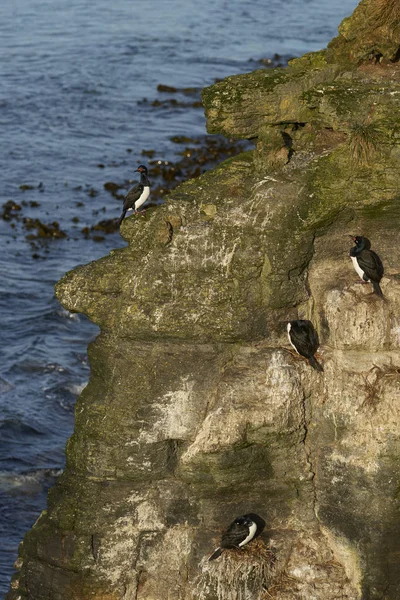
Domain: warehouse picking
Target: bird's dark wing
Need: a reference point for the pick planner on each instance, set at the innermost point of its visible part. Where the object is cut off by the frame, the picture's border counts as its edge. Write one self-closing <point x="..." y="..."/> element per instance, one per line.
<point x="315" y="364"/>
<point x="314" y="339"/>
<point x="371" y="264"/>
<point x="305" y="338"/>
<point x="235" y="534"/>
<point x="216" y="554"/>
<point x="134" y="194"/>
<point x="121" y="217"/>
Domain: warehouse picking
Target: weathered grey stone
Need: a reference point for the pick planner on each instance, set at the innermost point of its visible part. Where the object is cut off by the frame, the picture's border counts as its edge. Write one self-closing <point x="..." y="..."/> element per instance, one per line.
<point x="196" y="411"/>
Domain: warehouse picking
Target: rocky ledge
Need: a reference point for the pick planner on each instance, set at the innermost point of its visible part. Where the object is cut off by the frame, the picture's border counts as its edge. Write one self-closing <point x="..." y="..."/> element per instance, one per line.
<point x="196" y="411"/>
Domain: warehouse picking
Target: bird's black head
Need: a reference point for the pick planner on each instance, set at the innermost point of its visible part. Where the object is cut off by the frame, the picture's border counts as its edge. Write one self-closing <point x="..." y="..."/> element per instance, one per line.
<point x="249" y="519"/>
<point x="361" y="242"/>
<point x="243" y="521"/>
<point x="142" y="169"/>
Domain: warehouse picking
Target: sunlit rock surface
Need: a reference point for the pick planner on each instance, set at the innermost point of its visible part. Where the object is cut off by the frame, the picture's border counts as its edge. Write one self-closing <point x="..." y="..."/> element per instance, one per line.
<point x="196" y="411"/>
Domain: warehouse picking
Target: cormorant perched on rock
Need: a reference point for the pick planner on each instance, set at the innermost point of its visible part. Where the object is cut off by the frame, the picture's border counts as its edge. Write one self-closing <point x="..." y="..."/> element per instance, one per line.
<point x="239" y="533"/>
<point x="138" y="194"/>
<point x="366" y="262"/>
<point x="304" y="339"/>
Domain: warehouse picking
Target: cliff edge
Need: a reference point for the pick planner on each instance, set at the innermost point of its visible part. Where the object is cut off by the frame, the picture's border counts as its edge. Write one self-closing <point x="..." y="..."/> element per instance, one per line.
<point x="196" y="411"/>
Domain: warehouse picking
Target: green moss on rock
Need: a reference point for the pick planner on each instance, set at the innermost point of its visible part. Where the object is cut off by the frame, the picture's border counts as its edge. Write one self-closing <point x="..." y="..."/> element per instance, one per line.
<point x="371" y="34"/>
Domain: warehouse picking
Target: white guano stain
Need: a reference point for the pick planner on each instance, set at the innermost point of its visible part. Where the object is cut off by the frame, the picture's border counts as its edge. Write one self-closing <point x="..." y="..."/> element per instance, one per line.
<point x="175" y="415"/>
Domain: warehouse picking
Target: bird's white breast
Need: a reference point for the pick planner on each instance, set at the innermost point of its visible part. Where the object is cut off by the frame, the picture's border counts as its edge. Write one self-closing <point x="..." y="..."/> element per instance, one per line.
<point x="357" y="267"/>
<point x="288" y="334"/>
<point x="252" y="533"/>
<point x="142" y="199"/>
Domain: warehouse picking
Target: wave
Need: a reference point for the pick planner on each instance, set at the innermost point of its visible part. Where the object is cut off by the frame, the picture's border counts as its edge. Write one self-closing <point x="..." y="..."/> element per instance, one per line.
<point x="28" y="481"/>
<point x="5" y="386"/>
<point x="66" y="314"/>
<point x="15" y="427"/>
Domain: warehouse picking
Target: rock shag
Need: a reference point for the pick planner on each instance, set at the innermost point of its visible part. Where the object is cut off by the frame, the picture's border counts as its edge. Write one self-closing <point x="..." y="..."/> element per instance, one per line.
<point x="304" y="339"/>
<point x="367" y="263"/>
<point x="137" y="195"/>
<point x="239" y="533"/>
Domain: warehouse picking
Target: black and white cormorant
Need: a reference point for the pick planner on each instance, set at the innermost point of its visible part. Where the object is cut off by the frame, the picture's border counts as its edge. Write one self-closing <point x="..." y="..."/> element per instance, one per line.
<point x="239" y="533"/>
<point x="304" y="339"/>
<point x="138" y="194"/>
<point x="366" y="262"/>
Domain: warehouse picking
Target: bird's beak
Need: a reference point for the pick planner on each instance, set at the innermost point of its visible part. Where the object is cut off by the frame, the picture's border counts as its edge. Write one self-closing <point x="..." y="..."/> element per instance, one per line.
<point x="352" y="237"/>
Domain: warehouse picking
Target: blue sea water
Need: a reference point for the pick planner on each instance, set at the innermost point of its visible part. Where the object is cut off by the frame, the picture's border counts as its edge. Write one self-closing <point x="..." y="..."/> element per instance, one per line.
<point x="73" y="74"/>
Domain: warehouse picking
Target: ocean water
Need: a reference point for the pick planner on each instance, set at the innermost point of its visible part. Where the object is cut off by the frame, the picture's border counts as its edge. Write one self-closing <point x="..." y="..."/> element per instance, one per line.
<point x="73" y="75"/>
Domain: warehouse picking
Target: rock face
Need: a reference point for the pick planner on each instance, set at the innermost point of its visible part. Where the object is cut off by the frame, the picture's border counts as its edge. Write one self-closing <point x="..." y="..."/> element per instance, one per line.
<point x="196" y="412"/>
<point x="372" y="33"/>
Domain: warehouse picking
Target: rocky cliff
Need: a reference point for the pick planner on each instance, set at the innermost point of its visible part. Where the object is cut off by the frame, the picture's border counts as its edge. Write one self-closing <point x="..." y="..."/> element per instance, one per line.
<point x="196" y="411"/>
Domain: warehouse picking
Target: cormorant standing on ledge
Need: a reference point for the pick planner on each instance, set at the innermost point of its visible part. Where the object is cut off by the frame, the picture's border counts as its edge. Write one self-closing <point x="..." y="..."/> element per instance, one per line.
<point x="239" y="533"/>
<point x="367" y="263"/>
<point x="138" y="194"/>
<point x="304" y="339"/>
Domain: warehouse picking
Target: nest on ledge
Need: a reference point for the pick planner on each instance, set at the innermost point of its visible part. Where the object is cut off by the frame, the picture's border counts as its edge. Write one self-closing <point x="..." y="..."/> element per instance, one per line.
<point x="238" y="574"/>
